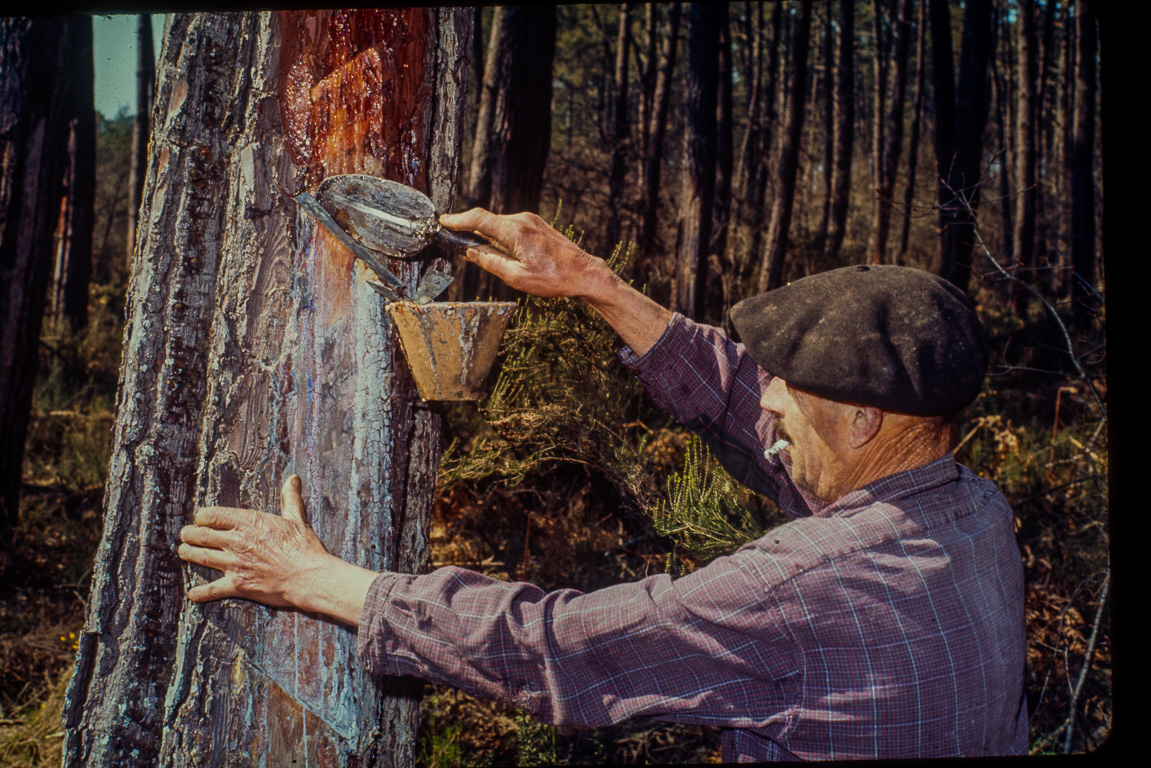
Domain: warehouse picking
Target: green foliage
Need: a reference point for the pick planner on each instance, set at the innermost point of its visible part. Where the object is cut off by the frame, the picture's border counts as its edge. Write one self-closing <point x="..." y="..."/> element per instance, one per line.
<point x="70" y="430"/>
<point x="561" y="396"/>
<point x="536" y="741"/>
<point x="441" y="746"/>
<point x="707" y="511"/>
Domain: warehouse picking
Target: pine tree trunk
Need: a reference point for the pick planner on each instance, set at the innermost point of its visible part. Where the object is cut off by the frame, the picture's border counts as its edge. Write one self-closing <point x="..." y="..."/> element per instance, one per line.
<point x="620" y="129"/>
<point x="253" y="349"/>
<point x="74" y="235"/>
<point x="775" y="249"/>
<point x="722" y="292"/>
<point x="653" y="149"/>
<point x="889" y="143"/>
<point x="697" y="185"/>
<point x="913" y="141"/>
<point x="647" y="70"/>
<point x="759" y="149"/>
<point x="1084" y="300"/>
<point x="1065" y="141"/>
<point x="36" y="55"/>
<point x="959" y="153"/>
<point x="828" y="124"/>
<point x="1000" y="81"/>
<point x="513" y="131"/>
<point x="843" y="135"/>
<point x="142" y="125"/>
<point x="1023" y="233"/>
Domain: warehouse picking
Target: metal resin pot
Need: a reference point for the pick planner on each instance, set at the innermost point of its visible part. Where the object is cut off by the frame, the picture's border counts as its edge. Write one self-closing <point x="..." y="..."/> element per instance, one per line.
<point x="450" y="346"/>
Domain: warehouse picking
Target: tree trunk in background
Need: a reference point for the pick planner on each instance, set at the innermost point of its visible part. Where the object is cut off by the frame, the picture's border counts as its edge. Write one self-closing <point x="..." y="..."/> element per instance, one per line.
<point x="757" y="149"/>
<point x="959" y="157"/>
<point x="722" y="293"/>
<point x="843" y="135"/>
<point x="889" y="142"/>
<point x="1000" y="81"/>
<point x="36" y="82"/>
<point x="1045" y="127"/>
<point x="74" y="235"/>
<point x="881" y="47"/>
<point x="697" y="185"/>
<point x="653" y="148"/>
<point x="619" y="129"/>
<point x="1084" y="300"/>
<point x="1064" y="143"/>
<point x="775" y="249"/>
<point x="828" y="122"/>
<point x="913" y="141"/>
<point x="513" y="131"/>
<point x="142" y="126"/>
<point x="1026" y="136"/>
<point x="253" y="349"/>
<point x="647" y="67"/>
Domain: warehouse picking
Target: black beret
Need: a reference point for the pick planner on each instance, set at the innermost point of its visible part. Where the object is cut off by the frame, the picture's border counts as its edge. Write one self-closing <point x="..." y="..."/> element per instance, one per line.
<point x="895" y="338"/>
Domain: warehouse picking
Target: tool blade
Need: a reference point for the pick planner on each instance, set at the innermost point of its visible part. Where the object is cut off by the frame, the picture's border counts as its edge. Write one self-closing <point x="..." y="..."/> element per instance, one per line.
<point x="383" y="215"/>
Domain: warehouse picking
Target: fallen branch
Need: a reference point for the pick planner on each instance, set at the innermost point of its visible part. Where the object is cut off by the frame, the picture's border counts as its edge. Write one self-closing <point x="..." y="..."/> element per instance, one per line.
<point x="1088" y="658"/>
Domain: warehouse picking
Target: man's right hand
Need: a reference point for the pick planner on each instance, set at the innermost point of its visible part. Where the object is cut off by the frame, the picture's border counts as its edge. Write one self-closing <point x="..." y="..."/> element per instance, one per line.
<point x="532" y="257"/>
<point x="538" y="260"/>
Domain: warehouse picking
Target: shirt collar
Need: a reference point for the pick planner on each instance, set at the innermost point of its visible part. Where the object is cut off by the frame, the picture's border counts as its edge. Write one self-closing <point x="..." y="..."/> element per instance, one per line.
<point x="894" y="487"/>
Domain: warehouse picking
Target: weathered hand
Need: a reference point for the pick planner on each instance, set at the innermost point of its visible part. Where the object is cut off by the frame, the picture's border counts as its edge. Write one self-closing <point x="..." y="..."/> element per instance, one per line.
<point x="535" y="259"/>
<point x="265" y="558"/>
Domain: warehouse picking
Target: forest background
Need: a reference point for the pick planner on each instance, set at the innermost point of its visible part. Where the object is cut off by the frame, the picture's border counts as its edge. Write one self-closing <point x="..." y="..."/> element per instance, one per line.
<point x="714" y="153"/>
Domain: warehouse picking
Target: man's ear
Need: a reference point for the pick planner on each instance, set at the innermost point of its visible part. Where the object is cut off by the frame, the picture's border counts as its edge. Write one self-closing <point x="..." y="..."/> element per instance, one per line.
<point x="865" y="424"/>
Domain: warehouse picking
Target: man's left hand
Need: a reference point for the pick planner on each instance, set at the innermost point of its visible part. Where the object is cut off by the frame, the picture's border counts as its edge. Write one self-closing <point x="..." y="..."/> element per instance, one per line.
<point x="273" y="560"/>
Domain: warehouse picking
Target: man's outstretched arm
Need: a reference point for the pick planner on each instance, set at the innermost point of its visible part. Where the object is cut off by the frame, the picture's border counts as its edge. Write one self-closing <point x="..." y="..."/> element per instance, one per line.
<point x="538" y="260"/>
<point x="276" y="561"/>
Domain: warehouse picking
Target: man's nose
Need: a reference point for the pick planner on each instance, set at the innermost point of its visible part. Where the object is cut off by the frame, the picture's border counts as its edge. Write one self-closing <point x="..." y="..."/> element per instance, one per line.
<point x="774" y="396"/>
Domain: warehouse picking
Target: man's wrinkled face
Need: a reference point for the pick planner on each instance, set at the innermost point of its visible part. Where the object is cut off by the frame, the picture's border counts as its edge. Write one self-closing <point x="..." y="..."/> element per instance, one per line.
<point x="815" y="427"/>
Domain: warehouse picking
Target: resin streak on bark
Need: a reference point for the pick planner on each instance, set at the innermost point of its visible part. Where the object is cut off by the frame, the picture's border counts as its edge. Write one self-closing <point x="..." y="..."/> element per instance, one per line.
<point x="295" y="370"/>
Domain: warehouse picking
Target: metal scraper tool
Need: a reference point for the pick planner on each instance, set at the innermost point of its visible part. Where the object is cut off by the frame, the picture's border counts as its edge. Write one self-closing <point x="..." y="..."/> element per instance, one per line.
<point x="389" y="217"/>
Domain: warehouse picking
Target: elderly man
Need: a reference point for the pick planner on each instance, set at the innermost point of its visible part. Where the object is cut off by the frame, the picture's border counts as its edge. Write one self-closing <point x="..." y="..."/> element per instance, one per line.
<point x="885" y="620"/>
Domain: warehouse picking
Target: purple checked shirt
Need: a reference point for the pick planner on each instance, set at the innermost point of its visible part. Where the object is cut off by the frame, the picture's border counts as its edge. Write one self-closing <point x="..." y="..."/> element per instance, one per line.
<point x="886" y="624"/>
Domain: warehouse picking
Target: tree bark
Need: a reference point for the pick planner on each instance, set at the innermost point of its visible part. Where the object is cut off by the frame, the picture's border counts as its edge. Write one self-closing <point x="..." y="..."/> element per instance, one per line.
<point x="1084" y="299"/>
<point x="142" y="126"/>
<point x="253" y="349"/>
<point x="722" y="292"/>
<point x="1000" y="81"/>
<point x="913" y="141"/>
<point x="843" y="135"/>
<point x="828" y="123"/>
<point x="647" y="67"/>
<point x="653" y="149"/>
<point x="1023" y="232"/>
<point x="889" y="136"/>
<point x="620" y="129"/>
<point x="698" y="181"/>
<point x="36" y="87"/>
<point x="1065" y="116"/>
<point x="775" y="249"/>
<point x="959" y="131"/>
<point x="513" y="131"/>
<point x="74" y="235"/>
<point x="757" y="148"/>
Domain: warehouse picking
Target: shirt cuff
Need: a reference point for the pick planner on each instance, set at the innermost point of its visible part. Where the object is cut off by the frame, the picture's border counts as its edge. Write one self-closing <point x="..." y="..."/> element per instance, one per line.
<point x="374" y="634"/>
<point x="657" y="350"/>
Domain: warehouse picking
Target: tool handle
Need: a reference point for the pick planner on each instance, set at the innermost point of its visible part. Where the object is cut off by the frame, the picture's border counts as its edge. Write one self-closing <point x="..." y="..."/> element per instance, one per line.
<point x="459" y="241"/>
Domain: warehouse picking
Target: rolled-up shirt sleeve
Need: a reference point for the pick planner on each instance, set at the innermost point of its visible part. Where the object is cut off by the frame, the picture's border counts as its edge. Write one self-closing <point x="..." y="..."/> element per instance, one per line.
<point x="708" y="382"/>
<point x="696" y="649"/>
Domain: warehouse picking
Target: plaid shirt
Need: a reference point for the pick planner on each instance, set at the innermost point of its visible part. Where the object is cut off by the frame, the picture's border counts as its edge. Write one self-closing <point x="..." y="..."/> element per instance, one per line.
<point x="886" y="624"/>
